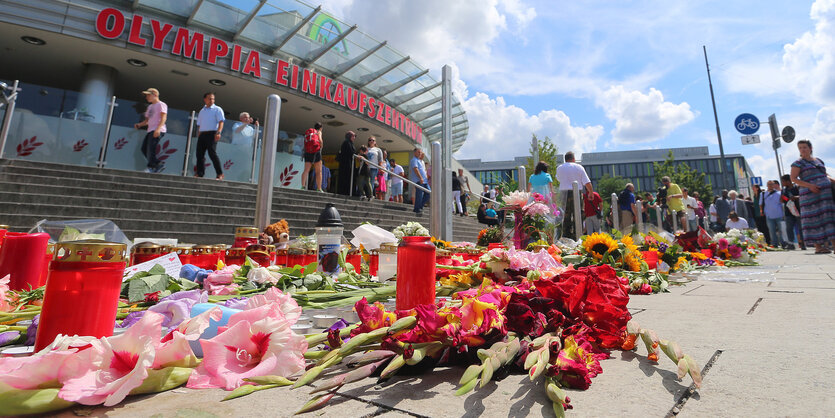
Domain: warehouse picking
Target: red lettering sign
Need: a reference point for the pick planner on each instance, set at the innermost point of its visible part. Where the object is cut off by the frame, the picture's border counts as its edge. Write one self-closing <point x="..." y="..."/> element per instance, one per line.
<point x="103" y="26"/>
<point x="309" y="82"/>
<point x="325" y="88"/>
<point x="353" y="99"/>
<point x="236" y="58"/>
<point x="339" y="94"/>
<point x="281" y="72"/>
<point x="388" y="115"/>
<point x="135" y="36"/>
<point x="381" y="111"/>
<point x="372" y="110"/>
<point x="363" y="97"/>
<point x="160" y="32"/>
<point x="253" y="64"/>
<point x="395" y="119"/>
<point x="189" y="46"/>
<point x="294" y="81"/>
<point x="217" y="49"/>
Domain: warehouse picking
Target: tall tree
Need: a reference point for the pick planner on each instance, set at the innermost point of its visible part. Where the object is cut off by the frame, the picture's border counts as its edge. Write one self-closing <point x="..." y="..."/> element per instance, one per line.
<point x="608" y="185"/>
<point x="681" y="174"/>
<point x="548" y="152"/>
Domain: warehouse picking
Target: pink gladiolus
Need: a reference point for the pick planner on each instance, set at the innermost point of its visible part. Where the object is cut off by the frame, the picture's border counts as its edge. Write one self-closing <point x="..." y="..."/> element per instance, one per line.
<point x="248" y="349"/>
<point x="5" y="306"/>
<point x="286" y="304"/>
<point x="120" y="364"/>
<point x="537" y="208"/>
<point x="174" y="349"/>
<point x="38" y="370"/>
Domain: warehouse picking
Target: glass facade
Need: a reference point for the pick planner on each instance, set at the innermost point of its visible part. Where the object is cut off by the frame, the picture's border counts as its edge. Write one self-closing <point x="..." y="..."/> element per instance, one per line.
<point x="642" y="174"/>
<point x="52" y="125"/>
<point x="494" y="177"/>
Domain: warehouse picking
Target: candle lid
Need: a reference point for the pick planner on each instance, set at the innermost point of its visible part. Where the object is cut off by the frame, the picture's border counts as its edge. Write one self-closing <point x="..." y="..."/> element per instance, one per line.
<point x="329" y="217"/>
<point x="235" y="251"/>
<point x="5" y="227"/>
<point x="246" y="231"/>
<point x="271" y="248"/>
<point x="220" y="247"/>
<point x="147" y="247"/>
<point x="202" y="249"/>
<point x="252" y="248"/>
<point x="90" y="250"/>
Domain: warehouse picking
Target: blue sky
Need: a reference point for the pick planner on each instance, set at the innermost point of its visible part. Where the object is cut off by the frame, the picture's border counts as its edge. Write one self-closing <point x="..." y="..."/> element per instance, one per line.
<point x="606" y="75"/>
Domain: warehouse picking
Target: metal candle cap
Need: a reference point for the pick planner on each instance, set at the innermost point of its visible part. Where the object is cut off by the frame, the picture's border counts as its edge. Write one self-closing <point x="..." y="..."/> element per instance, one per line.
<point x="246" y="232"/>
<point x="329" y="217"/>
<point x="90" y="250"/>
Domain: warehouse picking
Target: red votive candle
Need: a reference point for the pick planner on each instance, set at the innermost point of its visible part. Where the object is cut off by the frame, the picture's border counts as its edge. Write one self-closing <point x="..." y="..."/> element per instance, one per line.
<point x="145" y="251"/>
<point x="374" y="262"/>
<point x="651" y="258"/>
<point x="281" y="257"/>
<point x="415" y="272"/>
<point x="82" y="292"/>
<point x="355" y="259"/>
<point x="204" y="256"/>
<point x="22" y="256"/>
<point x="259" y="254"/>
<point x="235" y="256"/>
<point x="244" y="236"/>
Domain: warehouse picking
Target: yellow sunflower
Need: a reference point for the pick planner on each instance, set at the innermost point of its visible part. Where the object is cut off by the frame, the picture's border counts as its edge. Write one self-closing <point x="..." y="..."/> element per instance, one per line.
<point x="633" y="261"/>
<point x="598" y="244"/>
<point x="681" y="262"/>
<point x="629" y="243"/>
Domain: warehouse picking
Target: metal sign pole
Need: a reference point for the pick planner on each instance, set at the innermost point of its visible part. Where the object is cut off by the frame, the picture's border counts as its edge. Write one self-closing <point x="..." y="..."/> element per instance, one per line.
<point x="675" y="221"/>
<point x="7" y="120"/>
<point x="639" y="219"/>
<point x="578" y="217"/>
<point x="523" y="182"/>
<point x="264" y="200"/>
<point x="445" y="161"/>
<point x="103" y="151"/>
<point x="658" y="218"/>
<point x="191" y="120"/>
<point x="254" y="154"/>
<point x="615" y="212"/>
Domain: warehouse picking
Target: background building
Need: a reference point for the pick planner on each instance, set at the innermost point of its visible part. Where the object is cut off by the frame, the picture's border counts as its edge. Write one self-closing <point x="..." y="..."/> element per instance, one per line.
<point x="637" y="167"/>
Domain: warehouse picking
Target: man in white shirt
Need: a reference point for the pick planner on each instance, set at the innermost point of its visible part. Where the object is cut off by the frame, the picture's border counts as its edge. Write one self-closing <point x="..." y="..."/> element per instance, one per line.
<point x="567" y="174"/>
<point x="396" y="182"/>
<point x="209" y="126"/>
<point x="690" y="205"/>
<point x="735" y="222"/>
<point x="417" y="170"/>
<point x="243" y="132"/>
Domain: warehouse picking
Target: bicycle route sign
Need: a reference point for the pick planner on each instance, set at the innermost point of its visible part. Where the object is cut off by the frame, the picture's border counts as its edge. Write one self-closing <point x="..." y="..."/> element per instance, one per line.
<point x="747" y="124"/>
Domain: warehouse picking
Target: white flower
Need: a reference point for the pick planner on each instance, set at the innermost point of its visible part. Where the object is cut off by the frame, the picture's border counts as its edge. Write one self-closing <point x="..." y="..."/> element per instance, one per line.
<point x="517" y="198"/>
<point x="262" y="275"/>
<point x="410" y="229"/>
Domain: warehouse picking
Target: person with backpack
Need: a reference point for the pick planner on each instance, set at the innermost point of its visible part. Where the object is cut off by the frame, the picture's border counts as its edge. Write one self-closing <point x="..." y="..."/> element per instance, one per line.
<point x="313" y="155"/>
<point x="626" y="206"/>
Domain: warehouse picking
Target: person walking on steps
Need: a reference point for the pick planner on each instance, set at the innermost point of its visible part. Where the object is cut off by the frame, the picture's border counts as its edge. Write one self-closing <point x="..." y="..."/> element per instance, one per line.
<point x="155" y="117"/>
<point x="313" y="155"/>
<point x="209" y="127"/>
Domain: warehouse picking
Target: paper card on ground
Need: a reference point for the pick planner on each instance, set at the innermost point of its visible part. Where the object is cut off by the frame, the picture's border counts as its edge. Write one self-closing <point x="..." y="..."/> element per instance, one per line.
<point x="170" y="262"/>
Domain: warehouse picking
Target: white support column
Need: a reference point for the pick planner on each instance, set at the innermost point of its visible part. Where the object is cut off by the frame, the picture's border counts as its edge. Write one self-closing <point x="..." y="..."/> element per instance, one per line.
<point x="264" y="200"/>
<point x="615" y="212"/>
<point x="523" y="178"/>
<point x="578" y="217"/>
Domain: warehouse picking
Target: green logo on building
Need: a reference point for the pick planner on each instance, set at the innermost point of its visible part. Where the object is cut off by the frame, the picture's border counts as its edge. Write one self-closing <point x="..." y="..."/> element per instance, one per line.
<point x="325" y="28"/>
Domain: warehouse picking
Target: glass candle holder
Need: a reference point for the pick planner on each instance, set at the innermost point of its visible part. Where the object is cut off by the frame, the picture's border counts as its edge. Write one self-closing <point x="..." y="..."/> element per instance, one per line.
<point x="373" y="262"/>
<point x="3" y="230"/>
<point x="50" y="252"/>
<point x="220" y="254"/>
<point x="442" y="255"/>
<point x="22" y="257"/>
<point x="271" y="251"/>
<point x="183" y="251"/>
<point x="235" y="256"/>
<point x="259" y="254"/>
<point x="82" y="292"/>
<point x="310" y="256"/>
<point x="204" y="256"/>
<point x="355" y="259"/>
<point x="295" y="257"/>
<point x="386" y="261"/>
<point x="281" y="257"/>
<point x="145" y="251"/>
<point x="415" y="272"/>
<point x="245" y="235"/>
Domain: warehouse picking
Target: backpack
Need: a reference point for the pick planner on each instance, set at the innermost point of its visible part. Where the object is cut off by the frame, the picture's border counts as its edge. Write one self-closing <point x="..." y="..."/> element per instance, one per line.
<point x="312" y="142"/>
<point x="623" y="198"/>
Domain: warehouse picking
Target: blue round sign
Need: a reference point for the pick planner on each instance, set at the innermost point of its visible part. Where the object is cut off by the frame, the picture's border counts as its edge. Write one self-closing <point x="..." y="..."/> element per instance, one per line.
<point x="747" y="124"/>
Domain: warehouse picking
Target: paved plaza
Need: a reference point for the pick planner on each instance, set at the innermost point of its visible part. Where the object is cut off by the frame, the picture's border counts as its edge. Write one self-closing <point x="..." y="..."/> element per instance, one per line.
<point x="764" y="336"/>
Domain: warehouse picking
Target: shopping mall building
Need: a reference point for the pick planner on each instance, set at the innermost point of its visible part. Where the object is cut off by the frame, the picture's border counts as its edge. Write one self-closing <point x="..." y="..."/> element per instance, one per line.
<point x="74" y="58"/>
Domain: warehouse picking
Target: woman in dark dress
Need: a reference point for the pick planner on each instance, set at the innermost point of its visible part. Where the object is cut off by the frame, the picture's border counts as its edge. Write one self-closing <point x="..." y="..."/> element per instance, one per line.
<point x="817" y="210"/>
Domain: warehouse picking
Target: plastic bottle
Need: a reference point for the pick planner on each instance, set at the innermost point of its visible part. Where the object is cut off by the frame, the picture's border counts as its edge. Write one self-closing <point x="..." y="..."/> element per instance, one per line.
<point x="329" y="240"/>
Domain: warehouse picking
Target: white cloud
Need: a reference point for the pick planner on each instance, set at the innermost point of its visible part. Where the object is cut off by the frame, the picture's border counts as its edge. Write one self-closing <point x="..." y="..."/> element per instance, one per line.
<point x="811" y="58"/>
<point x="642" y="117"/>
<point x="499" y="131"/>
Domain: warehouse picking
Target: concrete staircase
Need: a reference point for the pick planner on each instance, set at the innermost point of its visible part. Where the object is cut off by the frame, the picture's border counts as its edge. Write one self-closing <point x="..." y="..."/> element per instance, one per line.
<point x="201" y="211"/>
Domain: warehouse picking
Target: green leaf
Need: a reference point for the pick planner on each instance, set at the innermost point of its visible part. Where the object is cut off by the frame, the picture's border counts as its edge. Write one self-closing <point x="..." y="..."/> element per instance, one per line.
<point x="270" y="380"/>
<point x="34" y="401"/>
<point x="157" y="269"/>
<point x="246" y="390"/>
<point x="163" y="380"/>
<point x="137" y="290"/>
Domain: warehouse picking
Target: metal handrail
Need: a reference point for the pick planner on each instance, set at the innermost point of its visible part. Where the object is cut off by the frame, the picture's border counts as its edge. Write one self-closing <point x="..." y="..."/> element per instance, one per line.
<point x="392" y="173"/>
<point x="479" y="196"/>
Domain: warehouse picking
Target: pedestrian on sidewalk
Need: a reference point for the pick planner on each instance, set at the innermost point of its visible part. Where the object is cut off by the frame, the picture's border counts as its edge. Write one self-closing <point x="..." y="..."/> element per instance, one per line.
<point x="363" y="177"/>
<point x="465" y="190"/>
<point x="626" y="208"/>
<point x="567" y="174"/>
<point x="737" y="204"/>
<point x="345" y="158"/>
<point x="209" y="127"/>
<point x="396" y="181"/>
<point x="313" y="155"/>
<point x="456" y="195"/>
<point x="592" y="211"/>
<point x="773" y="211"/>
<point x="382" y="176"/>
<point x="155" y="117"/>
<point x="417" y="168"/>
<point x="245" y="130"/>
<point x="674" y="202"/>
<point x="700" y="210"/>
<point x="791" y="211"/>
<point x="817" y="209"/>
<point x="723" y="208"/>
<point x="736" y="222"/>
<point x="691" y="206"/>
<point x="375" y="155"/>
<point x="759" y="218"/>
